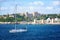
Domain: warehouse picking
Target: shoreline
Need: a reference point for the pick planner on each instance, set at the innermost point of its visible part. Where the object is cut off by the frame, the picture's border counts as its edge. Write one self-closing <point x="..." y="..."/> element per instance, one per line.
<point x="25" y="23"/>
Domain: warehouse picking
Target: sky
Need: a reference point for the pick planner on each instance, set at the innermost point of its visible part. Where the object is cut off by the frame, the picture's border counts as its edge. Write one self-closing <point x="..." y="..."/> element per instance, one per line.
<point x="41" y="6"/>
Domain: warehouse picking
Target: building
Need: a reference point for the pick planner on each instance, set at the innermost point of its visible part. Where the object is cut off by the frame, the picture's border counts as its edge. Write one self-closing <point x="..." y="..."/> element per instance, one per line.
<point x="53" y="20"/>
<point x="36" y="14"/>
<point x="11" y="16"/>
<point x="21" y="14"/>
<point x="28" y="15"/>
<point x="39" y="21"/>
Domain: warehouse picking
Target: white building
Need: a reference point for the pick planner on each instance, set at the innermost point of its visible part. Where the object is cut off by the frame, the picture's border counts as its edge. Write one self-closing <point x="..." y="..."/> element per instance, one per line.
<point x="11" y="15"/>
<point x="39" y="21"/>
<point x="53" y="20"/>
<point x="48" y="20"/>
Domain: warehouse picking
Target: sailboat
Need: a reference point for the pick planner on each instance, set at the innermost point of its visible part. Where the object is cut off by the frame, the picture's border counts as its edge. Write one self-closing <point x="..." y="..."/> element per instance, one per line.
<point x="15" y="30"/>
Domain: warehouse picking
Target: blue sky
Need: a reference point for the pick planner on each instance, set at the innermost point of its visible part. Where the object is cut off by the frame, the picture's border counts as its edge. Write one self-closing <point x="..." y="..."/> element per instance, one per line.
<point x="41" y="6"/>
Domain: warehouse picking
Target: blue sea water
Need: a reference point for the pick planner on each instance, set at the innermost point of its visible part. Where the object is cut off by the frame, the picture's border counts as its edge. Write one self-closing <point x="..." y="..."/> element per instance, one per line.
<point x="35" y="32"/>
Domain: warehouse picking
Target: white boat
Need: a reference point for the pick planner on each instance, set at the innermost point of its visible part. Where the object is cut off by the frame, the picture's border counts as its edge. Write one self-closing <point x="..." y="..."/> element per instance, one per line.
<point x="15" y="30"/>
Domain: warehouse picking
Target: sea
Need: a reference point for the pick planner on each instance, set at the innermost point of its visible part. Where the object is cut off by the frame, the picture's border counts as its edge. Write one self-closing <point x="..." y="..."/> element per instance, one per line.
<point x="34" y="32"/>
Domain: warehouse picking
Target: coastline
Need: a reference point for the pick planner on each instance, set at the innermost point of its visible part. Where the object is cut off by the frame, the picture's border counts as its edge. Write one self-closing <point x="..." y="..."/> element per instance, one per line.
<point x="25" y="23"/>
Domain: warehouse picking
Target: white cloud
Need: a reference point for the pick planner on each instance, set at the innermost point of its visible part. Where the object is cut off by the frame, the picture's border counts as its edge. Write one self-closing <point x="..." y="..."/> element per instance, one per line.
<point x="7" y="8"/>
<point x="56" y="3"/>
<point x="37" y="3"/>
<point x="31" y="7"/>
<point x="49" y="8"/>
<point x="3" y="8"/>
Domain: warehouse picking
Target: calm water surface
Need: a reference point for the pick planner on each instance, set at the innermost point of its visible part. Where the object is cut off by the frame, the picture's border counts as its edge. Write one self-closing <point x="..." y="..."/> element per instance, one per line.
<point x="35" y="32"/>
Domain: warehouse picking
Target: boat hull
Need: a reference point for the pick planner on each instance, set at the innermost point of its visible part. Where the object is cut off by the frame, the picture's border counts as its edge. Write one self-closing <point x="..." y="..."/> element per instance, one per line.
<point x="17" y="30"/>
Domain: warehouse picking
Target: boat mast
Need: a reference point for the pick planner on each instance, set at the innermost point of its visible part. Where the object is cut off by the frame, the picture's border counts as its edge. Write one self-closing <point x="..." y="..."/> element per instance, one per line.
<point x="15" y="15"/>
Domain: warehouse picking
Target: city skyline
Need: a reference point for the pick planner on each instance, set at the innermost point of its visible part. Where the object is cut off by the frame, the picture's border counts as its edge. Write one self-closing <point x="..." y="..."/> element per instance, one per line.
<point x="41" y="6"/>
